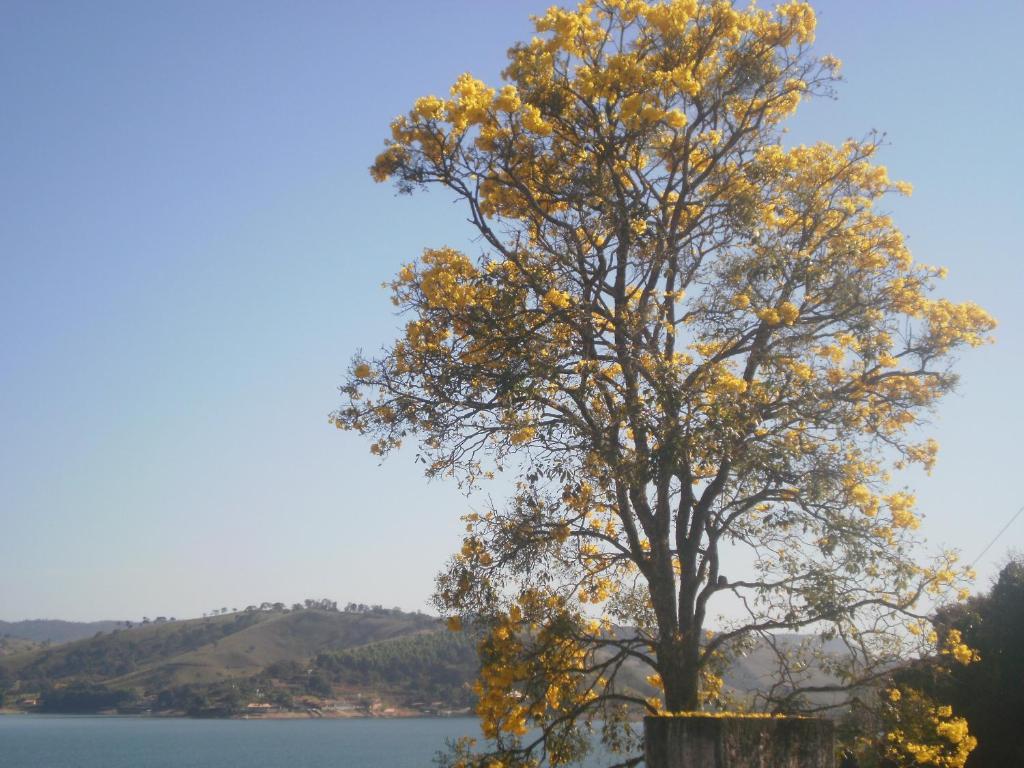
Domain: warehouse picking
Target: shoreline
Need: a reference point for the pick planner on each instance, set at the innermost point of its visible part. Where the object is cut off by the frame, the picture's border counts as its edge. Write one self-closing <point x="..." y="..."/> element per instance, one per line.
<point x="396" y="715"/>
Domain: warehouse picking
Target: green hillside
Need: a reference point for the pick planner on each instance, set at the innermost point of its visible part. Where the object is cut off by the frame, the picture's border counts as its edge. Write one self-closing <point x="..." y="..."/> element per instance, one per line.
<point x="272" y="638"/>
<point x="124" y="651"/>
<point x="258" y="661"/>
<point x="181" y="660"/>
<point x="12" y="645"/>
<point x="428" y="667"/>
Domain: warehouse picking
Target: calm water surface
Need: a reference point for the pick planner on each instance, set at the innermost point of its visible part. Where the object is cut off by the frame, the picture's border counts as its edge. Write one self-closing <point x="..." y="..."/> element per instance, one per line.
<point x="54" y="741"/>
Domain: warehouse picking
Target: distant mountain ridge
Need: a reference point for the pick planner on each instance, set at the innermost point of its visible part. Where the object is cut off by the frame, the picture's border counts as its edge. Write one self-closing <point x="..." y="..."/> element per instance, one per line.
<point x="312" y="659"/>
<point x="265" y="657"/>
<point x="55" y="630"/>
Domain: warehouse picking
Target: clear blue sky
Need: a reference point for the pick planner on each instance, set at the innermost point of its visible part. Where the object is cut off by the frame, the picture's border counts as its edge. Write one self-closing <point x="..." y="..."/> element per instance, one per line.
<point x="191" y="248"/>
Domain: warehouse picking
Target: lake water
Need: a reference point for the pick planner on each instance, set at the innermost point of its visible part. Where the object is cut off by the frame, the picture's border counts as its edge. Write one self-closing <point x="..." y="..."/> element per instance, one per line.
<point x="55" y="741"/>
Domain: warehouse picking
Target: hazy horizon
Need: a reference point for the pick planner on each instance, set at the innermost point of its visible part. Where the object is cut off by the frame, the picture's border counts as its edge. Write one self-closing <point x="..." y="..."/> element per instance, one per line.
<point x="192" y="250"/>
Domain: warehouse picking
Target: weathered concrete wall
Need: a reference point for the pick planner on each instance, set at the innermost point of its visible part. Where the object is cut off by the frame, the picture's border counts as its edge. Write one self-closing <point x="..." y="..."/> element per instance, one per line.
<point x="737" y="742"/>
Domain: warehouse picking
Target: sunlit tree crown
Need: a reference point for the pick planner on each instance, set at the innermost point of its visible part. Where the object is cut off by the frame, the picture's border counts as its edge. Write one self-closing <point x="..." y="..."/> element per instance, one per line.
<point x="684" y="337"/>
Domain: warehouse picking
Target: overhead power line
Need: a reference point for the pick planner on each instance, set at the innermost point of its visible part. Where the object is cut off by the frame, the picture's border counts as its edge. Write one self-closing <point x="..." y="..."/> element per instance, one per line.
<point x="996" y="538"/>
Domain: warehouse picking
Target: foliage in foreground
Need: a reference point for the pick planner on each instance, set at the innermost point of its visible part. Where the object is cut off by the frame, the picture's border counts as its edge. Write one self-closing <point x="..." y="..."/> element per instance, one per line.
<point x="954" y="708"/>
<point x="989" y="691"/>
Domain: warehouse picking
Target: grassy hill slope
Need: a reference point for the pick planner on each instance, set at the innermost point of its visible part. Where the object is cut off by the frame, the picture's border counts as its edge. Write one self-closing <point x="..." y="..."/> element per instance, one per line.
<point x="206" y="650"/>
<point x="431" y="667"/>
<point x="13" y="645"/>
<point x="281" y="637"/>
<point x="123" y="651"/>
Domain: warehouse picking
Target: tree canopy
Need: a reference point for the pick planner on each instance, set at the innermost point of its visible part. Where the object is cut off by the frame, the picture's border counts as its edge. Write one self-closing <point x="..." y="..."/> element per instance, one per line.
<point x="686" y="341"/>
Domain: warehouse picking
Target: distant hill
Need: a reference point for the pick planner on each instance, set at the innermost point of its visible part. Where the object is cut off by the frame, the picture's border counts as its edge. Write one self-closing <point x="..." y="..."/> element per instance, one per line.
<point x="758" y="670"/>
<point x="212" y="648"/>
<point x="312" y="659"/>
<point x="54" y="631"/>
<point x="425" y="668"/>
<point x="193" y="665"/>
<point x="248" y="643"/>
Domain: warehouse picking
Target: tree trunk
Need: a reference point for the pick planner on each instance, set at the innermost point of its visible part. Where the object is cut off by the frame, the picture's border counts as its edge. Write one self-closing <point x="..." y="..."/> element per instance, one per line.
<point x="680" y="676"/>
<point x="679" y="665"/>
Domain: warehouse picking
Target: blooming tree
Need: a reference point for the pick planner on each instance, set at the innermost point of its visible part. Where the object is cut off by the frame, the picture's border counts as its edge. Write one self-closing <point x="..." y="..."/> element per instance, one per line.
<point x="688" y="343"/>
<point x="906" y="728"/>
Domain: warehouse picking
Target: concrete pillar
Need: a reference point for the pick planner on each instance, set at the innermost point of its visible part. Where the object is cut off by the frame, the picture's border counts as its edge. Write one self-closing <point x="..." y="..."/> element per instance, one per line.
<point x="698" y="741"/>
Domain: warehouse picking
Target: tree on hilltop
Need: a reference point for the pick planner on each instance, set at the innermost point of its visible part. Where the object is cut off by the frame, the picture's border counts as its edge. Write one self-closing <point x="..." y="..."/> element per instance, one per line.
<point x="689" y="343"/>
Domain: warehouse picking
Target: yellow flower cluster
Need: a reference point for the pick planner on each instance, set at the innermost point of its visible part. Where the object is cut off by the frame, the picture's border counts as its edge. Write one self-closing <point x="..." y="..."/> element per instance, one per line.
<point x="556" y="299"/>
<point x="785" y="313"/>
<point x="901" y="505"/>
<point x="926" y="734"/>
<point x="955" y="646"/>
<point x="448" y="281"/>
<point x="731" y="715"/>
<point x="597" y="590"/>
<point x="530" y="666"/>
<point x="522" y="435"/>
<point x="950" y="324"/>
